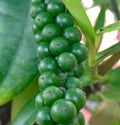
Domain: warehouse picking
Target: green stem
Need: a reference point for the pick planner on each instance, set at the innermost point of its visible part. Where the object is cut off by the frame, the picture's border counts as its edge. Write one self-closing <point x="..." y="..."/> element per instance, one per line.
<point x="100" y="57"/>
<point x="107" y="52"/>
<point x="100" y="95"/>
<point x="98" y="40"/>
<point x="94" y="48"/>
<point x="92" y="65"/>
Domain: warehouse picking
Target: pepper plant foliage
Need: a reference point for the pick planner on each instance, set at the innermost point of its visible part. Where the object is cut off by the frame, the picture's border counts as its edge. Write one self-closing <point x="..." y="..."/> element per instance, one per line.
<point x="18" y="58"/>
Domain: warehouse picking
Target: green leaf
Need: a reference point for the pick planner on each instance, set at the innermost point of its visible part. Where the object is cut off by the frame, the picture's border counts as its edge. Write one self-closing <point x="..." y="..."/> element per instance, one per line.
<point x="99" y="23"/>
<point x="112" y="86"/>
<point x="76" y="9"/>
<point x="100" y="19"/>
<point x="101" y="1"/>
<point x="113" y="79"/>
<point x="117" y="123"/>
<point x="109" y="28"/>
<point x="118" y="2"/>
<point x="27" y="115"/>
<point x="18" y="62"/>
<point x="19" y="101"/>
<point x="112" y="94"/>
<point x="107" y="52"/>
<point x="112" y="90"/>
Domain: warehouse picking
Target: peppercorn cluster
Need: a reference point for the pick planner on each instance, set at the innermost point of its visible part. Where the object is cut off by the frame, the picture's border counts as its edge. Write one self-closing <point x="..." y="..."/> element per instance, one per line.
<point x="61" y="64"/>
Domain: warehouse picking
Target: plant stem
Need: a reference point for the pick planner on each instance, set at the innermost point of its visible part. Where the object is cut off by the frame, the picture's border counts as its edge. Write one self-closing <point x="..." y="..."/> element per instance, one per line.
<point x="91" y="57"/>
<point x="100" y="95"/>
<point x="98" y="40"/>
<point x="91" y="63"/>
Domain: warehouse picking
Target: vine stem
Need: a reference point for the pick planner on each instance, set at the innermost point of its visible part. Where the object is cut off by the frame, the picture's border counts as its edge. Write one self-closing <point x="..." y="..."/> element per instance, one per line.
<point x="100" y="95"/>
<point x="91" y="63"/>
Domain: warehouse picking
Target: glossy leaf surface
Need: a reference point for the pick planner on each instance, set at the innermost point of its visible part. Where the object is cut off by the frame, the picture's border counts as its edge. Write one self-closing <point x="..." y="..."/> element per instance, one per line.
<point x="18" y="62"/>
<point x="27" y="115"/>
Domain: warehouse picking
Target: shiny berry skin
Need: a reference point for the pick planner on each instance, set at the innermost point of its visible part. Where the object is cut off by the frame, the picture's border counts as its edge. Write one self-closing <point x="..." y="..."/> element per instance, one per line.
<point x="39" y="100"/>
<point x="72" y="82"/>
<point x="51" y="31"/>
<point x="43" y="116"/>
<point x="63" y="111"/>
<point x="79" y="70"/>
<point x="35" y="29"/>
<point x="51" y="94"/>
<point x="64" y="20"/>
<point x="79" y="120"/>
<point x="43" y="49"/>
<point x="77" y="96"/>
<point x="72" y="34"/>
<point x="55" y="7"/>
<point x="38" y="37"/>
<point x="48" y="78"/>
<point x="67" y="61"/>
<point x="36" y="8"/>
<point x="58" y="45"/>
<point x="80" y="51"/>
<point x="48" y="64"/>
<point x="43" y="18"/>
<point x="37" y="1"/>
